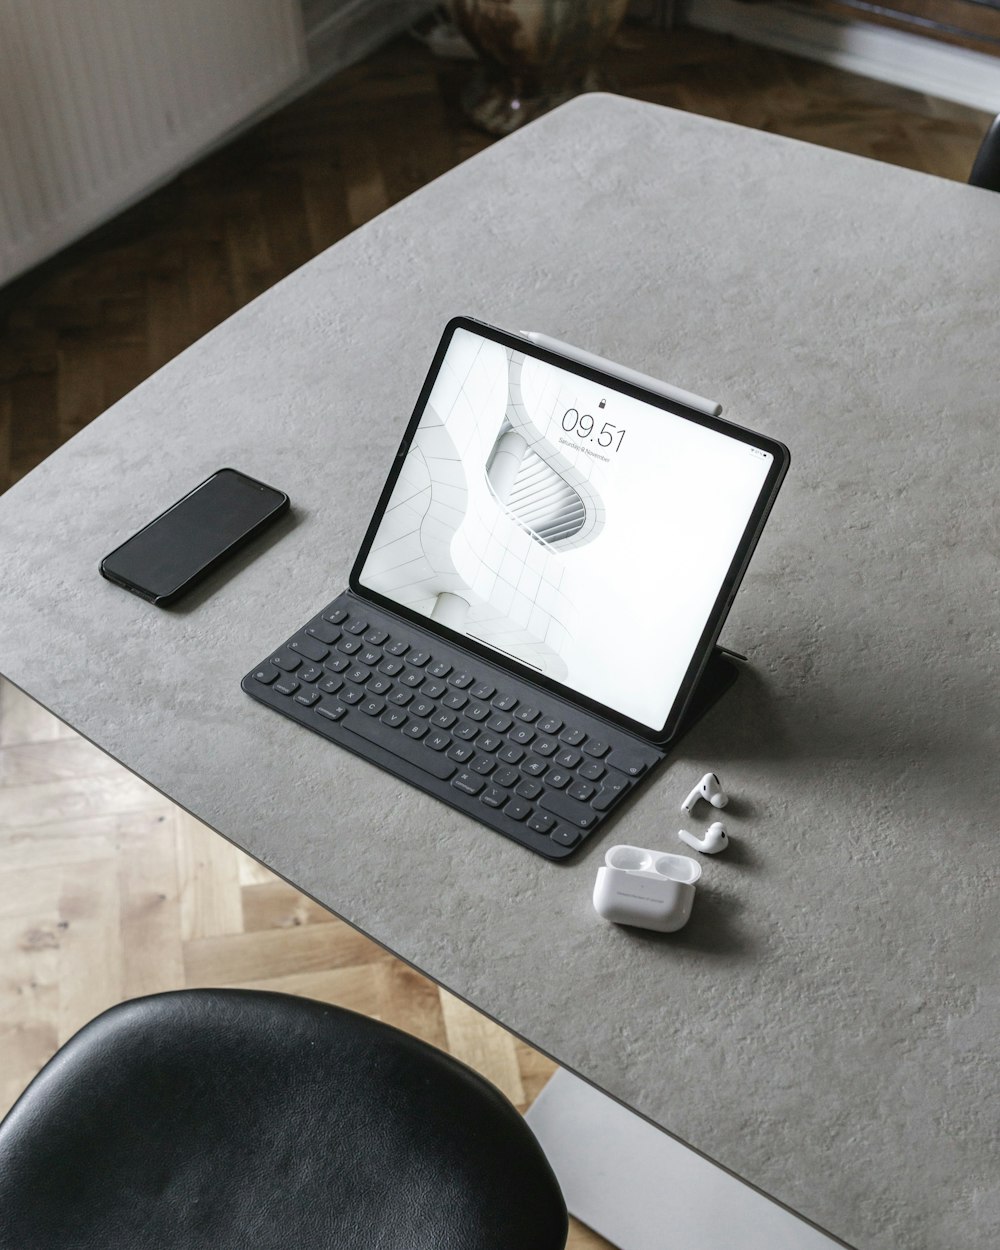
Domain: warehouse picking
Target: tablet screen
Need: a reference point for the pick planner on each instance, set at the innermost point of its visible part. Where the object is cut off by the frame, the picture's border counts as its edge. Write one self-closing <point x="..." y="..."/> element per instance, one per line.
<point x="565" y="524"/>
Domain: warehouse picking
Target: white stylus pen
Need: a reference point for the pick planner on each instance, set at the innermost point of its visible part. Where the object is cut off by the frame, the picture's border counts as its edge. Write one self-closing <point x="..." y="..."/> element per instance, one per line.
<point x="688" y="398"/>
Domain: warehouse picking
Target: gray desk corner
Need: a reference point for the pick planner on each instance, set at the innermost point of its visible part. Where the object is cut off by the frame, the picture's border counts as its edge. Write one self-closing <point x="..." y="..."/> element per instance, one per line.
<point x="826" y="1026"/>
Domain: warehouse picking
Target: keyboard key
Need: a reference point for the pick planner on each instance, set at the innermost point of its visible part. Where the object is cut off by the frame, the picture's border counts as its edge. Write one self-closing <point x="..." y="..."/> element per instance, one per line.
<point x="583" y="791"/>
<point x="597" y="748"/>
<point x="349" y="645"/>
<point x="477" y="711"/>
<point x="506" y="776"/>
<point x="401" y="697"/>
<point x="400" y="745"/>
<point x="351" y="694"/>
<point x="372" y="707"/>
<point x="419" y="658"/>
<point x="465" y="731"/>
<point x="541" y="823"/>
<point x="488" y="742"/>
<point x="310" y="674"/>
<point x="356" y="625"/>
<point x="376" y="637"/>
<point x="573" y="737"/>
<point x="433" y="689"/>
<point x="533" y="766"/>
<point x="468" y="783"/>
<point x="266" y="674"/>
<point x="422" y="707"/>
<point x="493" y="796"/>
<point x="517" y="809"/>
<point x="580" y="815"/>
<point x="568" y="759"/>
<point x="461" y="752"/>
<point x="529" y="789"/>
<point x="484" y="764"/>
<point x="380" y="685"/>
<point x="324" y="633"/>
<point x="545" y="746"/>
<point x="307" y="698"/>
<point x="394" y="718"/>
<point x="549" y="725"/>
<point x="337" y="663"/>
<point x="627" y="762"/>
<point x="287" y="685"/>
<point x="332" y="711"/>
<point x="399" y="647"/>
<point x="483" y="690"/>
<point x="499" y="723"/>
<point x="455" y="699"/>
<point x="335" y="616"/>
<point x="522" y="735"/>
<point x="331" y="685"/>
<point x="310" y="648"/>
<point x="591" y="770"/>
<point x="565" y="836"/>
<point x="512" y="754"/>
<point x="289" y="663"/>
<point x="527" y="713"/>
<point x="437" y="741"/>
<point x="416" y="729"/>
<point x="440" y="668"/>
<point x="558" y="779"/>
<point x="611" y="791"/>
<point x="461" y="680"/>
<point x="444" y="719"/>
<point x="391" y="667"/>
<point x="412" y="677"/>
<point x="370" y="656"/>
<point x="358" y="674"/>
<point x="505" y="703"/>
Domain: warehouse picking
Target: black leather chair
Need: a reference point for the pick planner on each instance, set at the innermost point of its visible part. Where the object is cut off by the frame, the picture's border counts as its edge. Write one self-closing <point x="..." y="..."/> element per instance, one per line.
<point x="225" y="1119"/>
<point x="986" y="167"/>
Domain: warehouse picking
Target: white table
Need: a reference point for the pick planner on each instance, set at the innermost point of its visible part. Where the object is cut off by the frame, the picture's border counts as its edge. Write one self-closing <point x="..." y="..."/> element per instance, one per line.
<point x="826" y="1027"/>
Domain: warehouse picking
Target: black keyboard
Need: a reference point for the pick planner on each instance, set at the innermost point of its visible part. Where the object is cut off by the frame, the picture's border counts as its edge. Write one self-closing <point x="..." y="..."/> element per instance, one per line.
<point x="522" y="761"/>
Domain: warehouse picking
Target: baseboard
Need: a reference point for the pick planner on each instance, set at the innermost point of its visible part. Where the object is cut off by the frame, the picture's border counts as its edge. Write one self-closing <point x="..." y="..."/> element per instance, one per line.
<point x="907" y="60"/>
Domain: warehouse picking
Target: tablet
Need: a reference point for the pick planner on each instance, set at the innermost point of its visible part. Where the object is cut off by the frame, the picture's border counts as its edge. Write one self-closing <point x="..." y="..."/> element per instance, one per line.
<point x="569" y="520"/>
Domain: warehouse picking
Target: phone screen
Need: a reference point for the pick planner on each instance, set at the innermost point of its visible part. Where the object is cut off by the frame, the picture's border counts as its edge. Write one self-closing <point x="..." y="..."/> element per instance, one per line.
<point x="193" y="535"/>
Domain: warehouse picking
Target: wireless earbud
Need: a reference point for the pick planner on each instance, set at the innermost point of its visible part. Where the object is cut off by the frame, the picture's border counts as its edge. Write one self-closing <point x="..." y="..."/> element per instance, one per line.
<point x="710" y="789"/>
<point x="715" y="840"/>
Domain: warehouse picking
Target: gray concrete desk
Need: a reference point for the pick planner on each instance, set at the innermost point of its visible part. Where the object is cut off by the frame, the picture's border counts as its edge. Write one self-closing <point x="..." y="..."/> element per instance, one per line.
<point x="827" y="1024"/>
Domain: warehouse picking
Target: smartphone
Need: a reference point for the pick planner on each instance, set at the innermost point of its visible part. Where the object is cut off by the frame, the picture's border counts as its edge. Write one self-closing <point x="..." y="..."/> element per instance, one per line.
<point x="169" y="555"/>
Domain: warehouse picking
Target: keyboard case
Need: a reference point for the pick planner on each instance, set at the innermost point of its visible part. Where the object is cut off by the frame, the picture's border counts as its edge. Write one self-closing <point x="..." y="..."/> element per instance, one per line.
<point x="464" y="757"/>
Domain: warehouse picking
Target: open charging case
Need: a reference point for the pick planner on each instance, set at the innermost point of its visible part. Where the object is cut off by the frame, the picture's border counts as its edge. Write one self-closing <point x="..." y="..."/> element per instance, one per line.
<point x="648" y="889"/>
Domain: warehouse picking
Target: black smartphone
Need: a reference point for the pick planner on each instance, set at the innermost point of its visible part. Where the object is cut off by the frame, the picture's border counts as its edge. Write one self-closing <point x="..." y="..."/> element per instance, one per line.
<point x="169" y="555"/>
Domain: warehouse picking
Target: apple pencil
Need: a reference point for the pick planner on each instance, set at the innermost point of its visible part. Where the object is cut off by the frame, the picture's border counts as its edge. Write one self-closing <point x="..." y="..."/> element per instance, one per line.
<point x="688" y="398"/>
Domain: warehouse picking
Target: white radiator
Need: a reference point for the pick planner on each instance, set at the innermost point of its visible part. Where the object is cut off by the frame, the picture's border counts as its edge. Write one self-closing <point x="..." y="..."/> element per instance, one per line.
<point x="102" y="99"/>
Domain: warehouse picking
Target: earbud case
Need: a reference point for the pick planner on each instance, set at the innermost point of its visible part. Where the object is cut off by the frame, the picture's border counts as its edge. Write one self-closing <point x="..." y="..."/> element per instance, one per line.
<point x="647" y="889"/>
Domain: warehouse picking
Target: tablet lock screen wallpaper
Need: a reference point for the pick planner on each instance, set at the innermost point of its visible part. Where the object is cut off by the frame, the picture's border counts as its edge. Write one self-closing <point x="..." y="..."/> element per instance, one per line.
<point x="580" y="531"/>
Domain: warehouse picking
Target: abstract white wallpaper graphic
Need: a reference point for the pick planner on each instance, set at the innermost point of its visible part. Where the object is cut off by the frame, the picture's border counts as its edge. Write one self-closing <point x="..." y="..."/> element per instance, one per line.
<point x="554" y="519"/>
<point x="482" y="502"/>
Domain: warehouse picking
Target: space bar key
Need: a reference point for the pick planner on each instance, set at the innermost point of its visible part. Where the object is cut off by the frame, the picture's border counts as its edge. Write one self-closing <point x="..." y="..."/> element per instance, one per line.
<point x="392" y="740"/>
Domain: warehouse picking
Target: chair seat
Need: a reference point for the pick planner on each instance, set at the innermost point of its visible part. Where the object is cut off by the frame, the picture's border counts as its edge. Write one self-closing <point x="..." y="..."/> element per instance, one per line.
<point x="230" y="1118"/>
<point x="986" y="167"/>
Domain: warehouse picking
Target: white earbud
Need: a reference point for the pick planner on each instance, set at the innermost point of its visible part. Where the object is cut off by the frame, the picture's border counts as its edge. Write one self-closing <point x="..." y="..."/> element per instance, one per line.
<point x="710" y="789"/>
<point x="714" y="841"/>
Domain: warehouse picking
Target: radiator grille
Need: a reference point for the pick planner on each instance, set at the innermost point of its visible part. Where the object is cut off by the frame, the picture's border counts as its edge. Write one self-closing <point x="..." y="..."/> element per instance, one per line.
<point x="102" y="99"/>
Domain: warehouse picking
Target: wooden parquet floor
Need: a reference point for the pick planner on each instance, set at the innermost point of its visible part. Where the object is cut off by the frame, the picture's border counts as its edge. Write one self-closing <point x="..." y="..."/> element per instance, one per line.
<point x="107" y="891"/>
